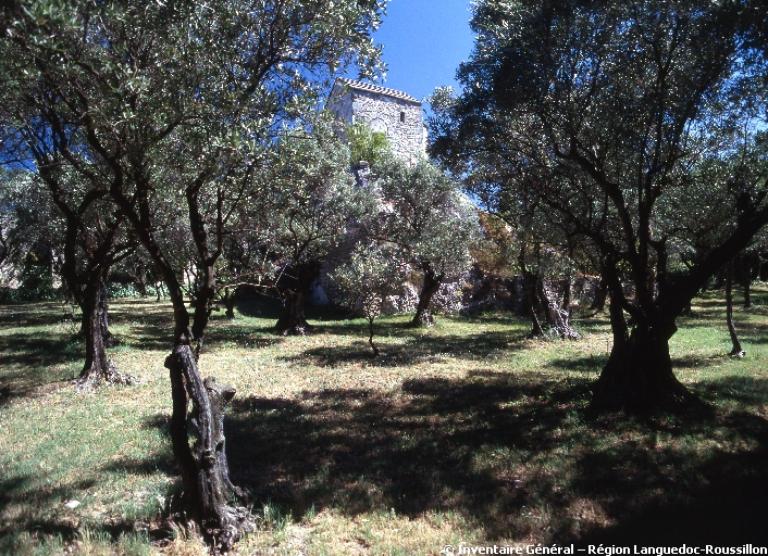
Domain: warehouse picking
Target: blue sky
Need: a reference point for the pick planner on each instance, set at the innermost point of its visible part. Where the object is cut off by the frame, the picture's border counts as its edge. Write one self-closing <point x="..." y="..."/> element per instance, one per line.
<point x="424" y="41"/>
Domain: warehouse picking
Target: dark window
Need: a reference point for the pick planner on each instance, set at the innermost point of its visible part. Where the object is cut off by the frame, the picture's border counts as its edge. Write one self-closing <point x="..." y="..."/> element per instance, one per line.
<point x="402" y="117"/>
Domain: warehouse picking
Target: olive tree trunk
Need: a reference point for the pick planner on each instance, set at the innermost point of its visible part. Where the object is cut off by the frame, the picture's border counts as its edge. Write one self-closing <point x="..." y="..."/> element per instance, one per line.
<point x="98" y="368"/>
<point x="293" y="321"/>
<point x="601" y="295"/>
<point x="209" y="497"/>
<point x="638" y="375"/>
<point x="109" y="338"/>
<point x="295" y="290"/>
<point x="532" y="303"/>
<point x="429" y="288"/>
<point x="736" y="350"/>
<point x="229" y="300"/>
<point x="558" y="319"/>
<point x="374" y="348"/>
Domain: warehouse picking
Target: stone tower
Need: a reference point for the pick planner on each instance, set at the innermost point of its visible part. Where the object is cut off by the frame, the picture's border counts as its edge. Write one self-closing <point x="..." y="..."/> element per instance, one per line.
<point x="396" y="114"/>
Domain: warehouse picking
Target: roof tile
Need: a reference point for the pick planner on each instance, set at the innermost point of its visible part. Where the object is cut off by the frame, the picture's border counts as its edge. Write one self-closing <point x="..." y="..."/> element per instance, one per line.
<point x="370" y="87"/>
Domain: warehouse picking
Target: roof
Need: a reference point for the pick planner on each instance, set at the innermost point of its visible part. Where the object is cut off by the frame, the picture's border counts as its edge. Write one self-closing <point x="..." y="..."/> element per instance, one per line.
<point x="371" y="88"/>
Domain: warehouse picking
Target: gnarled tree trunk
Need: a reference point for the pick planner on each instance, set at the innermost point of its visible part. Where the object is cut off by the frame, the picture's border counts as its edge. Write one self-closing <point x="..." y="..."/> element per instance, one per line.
<point x="429" y="288"/>
<point x="109" y="339"/>
<point x="293" y="321"/>
<point x="208" y="495"/>
<point x="209" y="499"/>
<point x="229" y="299"/>
<point x="567" y="294"/>
<point x="532" y="303"/>
<point x="558" y="319"/>
<point x="295" y="290"/>
<point x="601" y="294"/>
<point x="638" y="375"/>
<point x="736" y="350"/>
<point x="97" y="368"/>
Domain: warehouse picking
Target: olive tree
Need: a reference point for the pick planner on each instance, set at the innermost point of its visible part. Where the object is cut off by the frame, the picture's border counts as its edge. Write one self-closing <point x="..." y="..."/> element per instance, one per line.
<point x="309" y="207"/>
<point x="88" y="240"/>
<point x="373" y="272"/>
<point x="719" y="194"/>
<point x="30" y="232"/>
<point x="599" y="110"/>
<point x="427" y="215"/>
<point x="176" y="101"/>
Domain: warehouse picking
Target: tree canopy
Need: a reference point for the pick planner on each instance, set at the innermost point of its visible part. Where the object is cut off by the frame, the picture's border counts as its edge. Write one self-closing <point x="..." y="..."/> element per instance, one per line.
<point x="600" y="112"/>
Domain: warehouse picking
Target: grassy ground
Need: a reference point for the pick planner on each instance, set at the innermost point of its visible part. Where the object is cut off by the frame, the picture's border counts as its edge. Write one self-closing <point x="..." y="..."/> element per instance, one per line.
<point x="466" y="432"/>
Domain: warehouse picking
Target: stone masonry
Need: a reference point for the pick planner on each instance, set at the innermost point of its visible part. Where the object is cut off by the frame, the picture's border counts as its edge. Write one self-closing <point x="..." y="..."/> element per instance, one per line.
<point x="394" y="113"/>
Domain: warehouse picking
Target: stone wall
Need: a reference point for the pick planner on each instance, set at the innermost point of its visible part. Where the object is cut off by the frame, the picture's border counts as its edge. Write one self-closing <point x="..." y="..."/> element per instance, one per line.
<point x="341" y="106"/>
<point x="401" y="120"/>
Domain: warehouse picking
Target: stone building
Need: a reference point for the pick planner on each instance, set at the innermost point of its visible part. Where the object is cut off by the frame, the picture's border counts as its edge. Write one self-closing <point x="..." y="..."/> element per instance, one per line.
<point x="396" y="114"/>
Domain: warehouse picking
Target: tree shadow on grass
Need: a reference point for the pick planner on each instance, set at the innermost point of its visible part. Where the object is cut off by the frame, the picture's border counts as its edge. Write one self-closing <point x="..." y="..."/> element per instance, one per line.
<point x="359" y="327"/>
<point x="27" y="363"/>
<point x="708" y="310"/>
<point x="149" y="337"/>
<point x="156" y="333"/>
<point x="20" y="494"/>
<point x="590" y="364"/>
<point x="243" y="337"/>
<point x="754" y="334"/>
<point x="495" y="448"/>
<point x="415" y="350"/>
<point x="360" y="450"/>
<point x="697" y="361"/>
<point x="32" y="504"/>
<point x="34" y="314"/>
<point x="662" y="496"/>
<point x="27" y="350"/>
<point x="27" y="359"/>
<point x="747" y="392"/>
<point x="27" y="533"/>
<point x="162" y="463"/>
<point x="593" y="364"/>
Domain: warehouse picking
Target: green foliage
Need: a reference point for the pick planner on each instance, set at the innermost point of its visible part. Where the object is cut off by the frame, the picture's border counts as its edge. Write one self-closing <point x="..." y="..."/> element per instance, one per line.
<point x="200" y="90"/>
<point x="373" y="272"/>
<point x="720" y="191"/>
<point x="592" y="137"/>
<point x="119" y="291"/>
<point x="30" y="234"/>
<point x="305" y="202"/>
<point x="367" y="145"/>
<point x="427" y="215"/>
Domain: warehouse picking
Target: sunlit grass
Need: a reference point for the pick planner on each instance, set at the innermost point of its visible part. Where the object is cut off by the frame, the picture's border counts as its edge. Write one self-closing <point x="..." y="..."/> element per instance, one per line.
<point x="466" y="432"/>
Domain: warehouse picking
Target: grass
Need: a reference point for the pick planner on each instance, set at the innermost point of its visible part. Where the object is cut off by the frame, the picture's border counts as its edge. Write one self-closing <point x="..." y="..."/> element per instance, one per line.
<point x="467" y="432"/>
